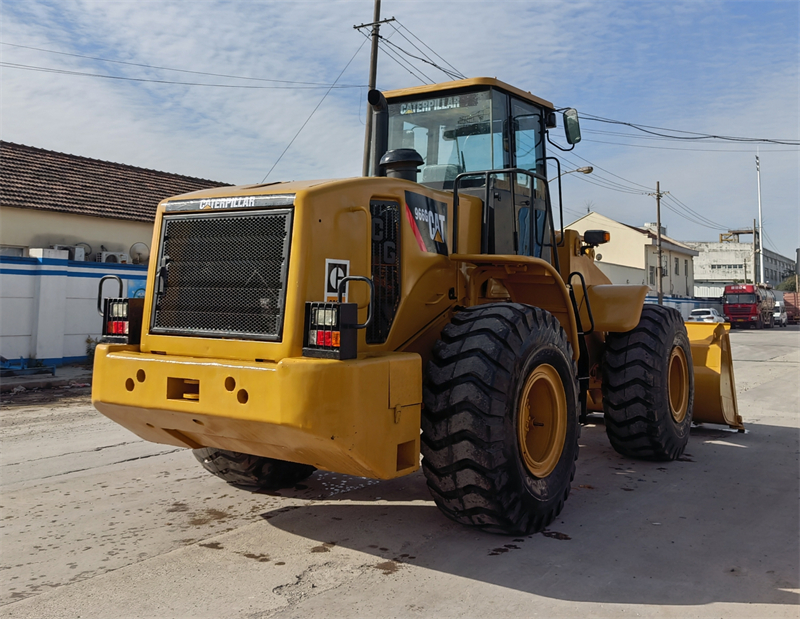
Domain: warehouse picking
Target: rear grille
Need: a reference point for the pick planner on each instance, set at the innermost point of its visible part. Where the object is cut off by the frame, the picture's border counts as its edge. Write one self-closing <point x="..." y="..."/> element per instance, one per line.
<point x="385" y="268"/>
<point x="223" y="275"/>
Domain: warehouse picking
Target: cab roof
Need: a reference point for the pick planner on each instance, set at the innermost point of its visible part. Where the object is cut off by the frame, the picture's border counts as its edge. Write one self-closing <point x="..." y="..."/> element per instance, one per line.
<point x="468" y="83"/>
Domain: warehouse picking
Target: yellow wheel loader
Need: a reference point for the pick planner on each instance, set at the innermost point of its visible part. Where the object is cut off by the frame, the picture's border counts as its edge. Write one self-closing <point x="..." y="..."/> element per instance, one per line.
<point x="429" y="309"/>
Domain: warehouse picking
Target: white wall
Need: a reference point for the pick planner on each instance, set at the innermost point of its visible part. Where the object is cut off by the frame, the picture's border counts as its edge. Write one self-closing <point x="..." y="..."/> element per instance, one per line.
<point x="48" y="305"/>
<point x="685" y="306"/>
<point x="620" y="274"/>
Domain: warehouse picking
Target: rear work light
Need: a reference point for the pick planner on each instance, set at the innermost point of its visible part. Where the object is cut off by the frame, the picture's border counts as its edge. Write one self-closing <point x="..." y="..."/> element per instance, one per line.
<point x="331" y="328"/>
<point x="122" y="318"/>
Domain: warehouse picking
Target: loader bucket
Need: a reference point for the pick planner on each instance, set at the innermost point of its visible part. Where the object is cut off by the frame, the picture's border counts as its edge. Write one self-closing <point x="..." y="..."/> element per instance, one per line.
<point x="714" y="387"/>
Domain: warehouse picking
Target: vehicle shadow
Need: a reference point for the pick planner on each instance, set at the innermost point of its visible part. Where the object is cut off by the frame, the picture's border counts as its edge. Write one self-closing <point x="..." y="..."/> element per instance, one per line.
<point x="718" y="525"/>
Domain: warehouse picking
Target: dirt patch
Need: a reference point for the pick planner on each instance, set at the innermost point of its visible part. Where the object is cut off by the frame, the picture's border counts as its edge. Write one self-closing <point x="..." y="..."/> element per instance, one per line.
<point x="56" y="396"/>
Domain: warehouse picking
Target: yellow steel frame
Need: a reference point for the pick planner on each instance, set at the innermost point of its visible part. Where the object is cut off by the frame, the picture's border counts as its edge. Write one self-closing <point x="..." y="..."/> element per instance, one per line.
<point x="358" y="417"/>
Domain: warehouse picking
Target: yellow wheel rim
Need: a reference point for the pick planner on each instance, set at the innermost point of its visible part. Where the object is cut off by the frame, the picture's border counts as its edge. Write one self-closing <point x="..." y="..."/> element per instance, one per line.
<point x="542" y="420"/>
<point x="678" y="384"/>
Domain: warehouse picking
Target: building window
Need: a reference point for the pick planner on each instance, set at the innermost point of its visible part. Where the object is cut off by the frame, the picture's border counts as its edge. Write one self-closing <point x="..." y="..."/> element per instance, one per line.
<point x="686" y="268"/>
<point x="652" y="276"/>
<point x="8" y="250"/>
<point x="677" y="267"/>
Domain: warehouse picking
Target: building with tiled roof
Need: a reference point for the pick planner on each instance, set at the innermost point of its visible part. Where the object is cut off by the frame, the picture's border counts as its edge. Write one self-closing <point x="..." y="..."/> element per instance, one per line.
<point x="49" y="198"/>
<point x="97" y="213"/>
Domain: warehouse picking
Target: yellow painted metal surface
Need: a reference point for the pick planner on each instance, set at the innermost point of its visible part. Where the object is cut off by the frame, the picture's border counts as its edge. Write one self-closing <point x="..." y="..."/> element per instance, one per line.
<point x="528" y="280"/>
<point x="465" y="84"/>
<point x="615" y="307"/>
<point x="331" y="220"/>
<point x="714" y="385"/>
<point x="360" y="417"/>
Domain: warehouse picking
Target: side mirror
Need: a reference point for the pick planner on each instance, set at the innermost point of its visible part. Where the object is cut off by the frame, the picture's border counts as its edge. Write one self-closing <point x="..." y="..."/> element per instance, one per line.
<point x="572" y="126"/>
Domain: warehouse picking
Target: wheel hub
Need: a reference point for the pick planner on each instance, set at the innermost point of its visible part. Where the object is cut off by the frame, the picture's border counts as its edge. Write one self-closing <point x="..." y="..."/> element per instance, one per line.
<point x="678" y="384"/>
<point x="542" y="420"/>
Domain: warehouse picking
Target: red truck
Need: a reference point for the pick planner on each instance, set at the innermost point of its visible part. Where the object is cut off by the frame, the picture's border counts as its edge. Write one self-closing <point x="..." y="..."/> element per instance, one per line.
<point x="747" y="305"/>
<point x="792" y="302"/>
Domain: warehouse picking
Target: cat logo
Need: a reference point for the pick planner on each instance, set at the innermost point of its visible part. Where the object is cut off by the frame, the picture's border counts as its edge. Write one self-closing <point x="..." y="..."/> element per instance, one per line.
<point x="428" y="219"/>
<point x="335" y="272"/>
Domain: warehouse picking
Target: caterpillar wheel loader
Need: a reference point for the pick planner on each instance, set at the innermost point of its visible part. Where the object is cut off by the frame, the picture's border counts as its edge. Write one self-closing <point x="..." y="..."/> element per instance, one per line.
<point x="429" y="309"/>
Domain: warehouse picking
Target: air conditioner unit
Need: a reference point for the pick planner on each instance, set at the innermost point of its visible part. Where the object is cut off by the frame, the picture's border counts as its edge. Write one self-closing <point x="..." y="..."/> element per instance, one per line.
<point x="75" y="252"/>
<point x="112" y="257"/>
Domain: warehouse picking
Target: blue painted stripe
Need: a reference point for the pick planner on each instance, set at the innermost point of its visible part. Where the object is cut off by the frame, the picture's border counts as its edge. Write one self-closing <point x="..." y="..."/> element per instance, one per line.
<point x="62" y="262"/>
<point x="36" y="272"/>
<point x="18" y="260"/>
<point x="63" y="360"/>
<point x="106" y="265"/>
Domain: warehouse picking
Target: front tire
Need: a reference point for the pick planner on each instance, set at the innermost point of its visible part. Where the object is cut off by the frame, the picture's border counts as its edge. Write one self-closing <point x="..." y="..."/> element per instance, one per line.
<point x="250" y="472"/>
<point x="648" y="386"/>
<point x="500" y="423"/>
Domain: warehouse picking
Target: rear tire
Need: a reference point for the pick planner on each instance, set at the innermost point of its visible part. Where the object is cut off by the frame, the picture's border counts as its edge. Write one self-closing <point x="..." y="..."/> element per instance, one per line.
<point x="251" y="472"/>
<point x="648" y="386"/>
<point x="488" y="460"/>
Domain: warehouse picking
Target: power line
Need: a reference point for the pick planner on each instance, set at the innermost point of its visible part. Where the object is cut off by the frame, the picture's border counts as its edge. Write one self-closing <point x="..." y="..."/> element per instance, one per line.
<point x="148" y="66"/>
<point x="677" y="207"/>
<point x="313" y="111"/>
<point x="426" y="59"/>
<point x="698" y="150"/>
<point x="11" y="65"/>
<point x="690" y="135"/>
<point x="697" y="214"/>
<point x="594" y="165"/>
<point x="390" y="53"/>
<point x="431" y="50"/>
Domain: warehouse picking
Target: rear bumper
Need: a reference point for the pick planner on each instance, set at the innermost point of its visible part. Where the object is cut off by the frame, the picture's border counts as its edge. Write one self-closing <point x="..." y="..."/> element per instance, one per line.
<point x="360" y="417"/>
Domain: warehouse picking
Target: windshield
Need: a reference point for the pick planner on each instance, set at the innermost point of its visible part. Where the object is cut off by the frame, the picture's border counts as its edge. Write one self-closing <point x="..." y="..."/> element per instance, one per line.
<point x="732" y="299"/>
<point x="701" y="312"/>
<point x="453" y="134"/>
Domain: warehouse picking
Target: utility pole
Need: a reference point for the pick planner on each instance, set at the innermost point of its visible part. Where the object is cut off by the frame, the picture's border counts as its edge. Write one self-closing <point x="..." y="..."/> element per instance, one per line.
<point x="373" y="75"/>
<point x="760" y="226"/>
<point x="660" y="270"/>
<point x="755" y="272"/>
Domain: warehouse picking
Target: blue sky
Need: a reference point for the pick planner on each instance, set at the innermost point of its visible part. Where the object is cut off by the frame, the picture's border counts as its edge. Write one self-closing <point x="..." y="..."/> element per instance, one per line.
<point x="722" y="67"/>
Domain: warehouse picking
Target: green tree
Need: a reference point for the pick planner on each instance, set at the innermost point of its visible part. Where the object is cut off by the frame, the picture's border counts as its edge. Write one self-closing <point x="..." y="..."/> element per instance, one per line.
<point x="788" y="285"/>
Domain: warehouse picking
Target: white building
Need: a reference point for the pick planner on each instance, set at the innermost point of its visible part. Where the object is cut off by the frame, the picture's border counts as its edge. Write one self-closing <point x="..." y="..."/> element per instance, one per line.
<point x="720" y="264"/>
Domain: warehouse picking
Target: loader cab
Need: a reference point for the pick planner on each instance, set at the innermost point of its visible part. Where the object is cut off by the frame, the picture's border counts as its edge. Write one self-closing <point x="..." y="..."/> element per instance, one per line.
<point x="470" y="135"/>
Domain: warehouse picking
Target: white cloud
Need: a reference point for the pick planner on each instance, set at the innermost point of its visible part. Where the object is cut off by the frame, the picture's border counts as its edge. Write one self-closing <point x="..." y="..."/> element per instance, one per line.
<point x="726" y="67"/>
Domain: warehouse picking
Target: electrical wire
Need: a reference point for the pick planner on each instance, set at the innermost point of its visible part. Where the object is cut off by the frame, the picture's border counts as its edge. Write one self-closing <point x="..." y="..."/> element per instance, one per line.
<point x="676" y="205"/>
<point x="698" y="150"/>
<point x="399" y="61"/>
<point x="313" y="112"/>
<point x="695" y="213"/>
<point x="11" y="65"/>
<point x="148" y="66"/>
<point x="690" y="135"/>
<point x="460" y="74"/>
<point x="447" y="72"/>
<point x="415" y="71"/>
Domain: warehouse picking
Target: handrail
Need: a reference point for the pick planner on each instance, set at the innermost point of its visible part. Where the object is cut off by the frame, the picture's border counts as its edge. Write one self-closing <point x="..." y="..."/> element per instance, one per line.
<point x="485" y="231"/>
<point x="575" y="302"/>
<point x="100" y="291"/>
<point x="343" y="284"/>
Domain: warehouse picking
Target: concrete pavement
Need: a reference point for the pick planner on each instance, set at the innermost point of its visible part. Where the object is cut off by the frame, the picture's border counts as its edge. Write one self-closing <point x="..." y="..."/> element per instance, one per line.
<point x="99" y="524"/>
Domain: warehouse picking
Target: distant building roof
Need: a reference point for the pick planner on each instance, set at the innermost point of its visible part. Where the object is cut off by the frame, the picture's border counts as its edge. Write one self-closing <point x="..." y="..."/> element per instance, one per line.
<point x="46" y="180"/>
<point x="650" y="234"/>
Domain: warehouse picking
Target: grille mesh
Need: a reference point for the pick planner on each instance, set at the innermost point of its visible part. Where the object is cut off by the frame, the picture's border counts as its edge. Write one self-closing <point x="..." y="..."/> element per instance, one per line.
<point x="385" y="268"/>
<point x="223" y="275"/>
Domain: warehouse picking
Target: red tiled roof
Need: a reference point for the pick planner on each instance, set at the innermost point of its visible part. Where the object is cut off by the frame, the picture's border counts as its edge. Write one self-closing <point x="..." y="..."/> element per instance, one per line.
<point x="50" y="181"/>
